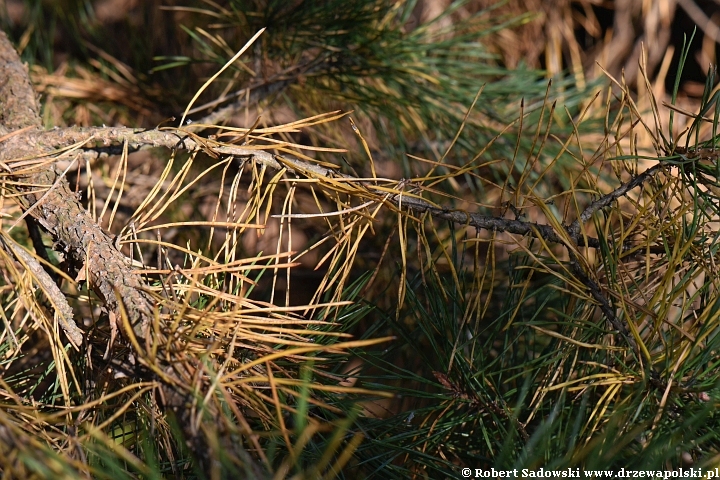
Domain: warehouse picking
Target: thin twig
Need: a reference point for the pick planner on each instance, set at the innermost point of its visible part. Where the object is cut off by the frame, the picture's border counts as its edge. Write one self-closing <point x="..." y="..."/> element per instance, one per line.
<point x="39" y="245"/>
<point x="608" y="199"/>
<point x="49" y="288"/>
<point x="605" y="306"/>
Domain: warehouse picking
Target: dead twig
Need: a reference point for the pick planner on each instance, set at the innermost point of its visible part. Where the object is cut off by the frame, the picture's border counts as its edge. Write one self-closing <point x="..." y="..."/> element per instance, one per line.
<point x="49" y="288"/>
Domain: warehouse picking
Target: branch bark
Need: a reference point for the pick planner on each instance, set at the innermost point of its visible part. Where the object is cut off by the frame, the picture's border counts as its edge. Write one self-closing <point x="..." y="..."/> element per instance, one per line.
<point x="18" y="103"/>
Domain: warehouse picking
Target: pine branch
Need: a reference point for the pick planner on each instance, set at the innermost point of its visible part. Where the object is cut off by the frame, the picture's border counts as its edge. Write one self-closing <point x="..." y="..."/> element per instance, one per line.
<point x="105" y="141"/>
<point x="102" y="141"/>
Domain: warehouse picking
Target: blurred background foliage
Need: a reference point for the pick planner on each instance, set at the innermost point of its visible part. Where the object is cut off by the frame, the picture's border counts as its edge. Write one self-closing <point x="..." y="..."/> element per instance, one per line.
<point x="501" y="357"/>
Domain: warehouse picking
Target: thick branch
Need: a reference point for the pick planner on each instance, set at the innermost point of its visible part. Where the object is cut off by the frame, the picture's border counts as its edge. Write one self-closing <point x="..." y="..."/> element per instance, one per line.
<point x="18" y="103"/>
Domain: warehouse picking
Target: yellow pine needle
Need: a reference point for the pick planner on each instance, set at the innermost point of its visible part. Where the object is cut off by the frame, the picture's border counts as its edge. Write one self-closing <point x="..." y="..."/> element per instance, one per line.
<point x="218" y="73"/>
